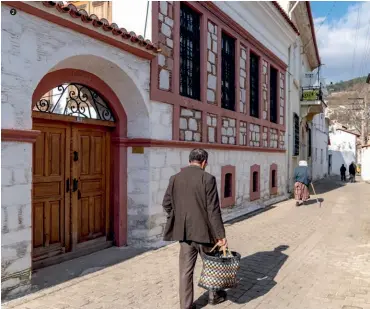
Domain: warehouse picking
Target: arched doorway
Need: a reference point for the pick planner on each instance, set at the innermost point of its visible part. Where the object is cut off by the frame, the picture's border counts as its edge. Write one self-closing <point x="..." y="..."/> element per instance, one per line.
<point x="77" y="205"/>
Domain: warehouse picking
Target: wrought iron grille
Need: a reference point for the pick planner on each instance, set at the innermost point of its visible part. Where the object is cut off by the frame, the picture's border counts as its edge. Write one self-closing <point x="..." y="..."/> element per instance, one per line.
<point x="228" y="72"/>
<point x="189" y="53"/>
<point x="273" y="94"/>
<point x="254" y="85"/>
<point x="74" y="100"/>
<point x="296" y="135"/>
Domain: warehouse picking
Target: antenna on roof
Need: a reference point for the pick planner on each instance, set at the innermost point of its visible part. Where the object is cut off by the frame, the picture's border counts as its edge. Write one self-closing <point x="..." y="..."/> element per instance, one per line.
<point x="146" y="18"/>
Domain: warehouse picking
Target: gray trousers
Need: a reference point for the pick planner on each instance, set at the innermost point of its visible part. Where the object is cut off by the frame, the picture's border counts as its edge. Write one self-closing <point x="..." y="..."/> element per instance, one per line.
<point x="188" y="257"/>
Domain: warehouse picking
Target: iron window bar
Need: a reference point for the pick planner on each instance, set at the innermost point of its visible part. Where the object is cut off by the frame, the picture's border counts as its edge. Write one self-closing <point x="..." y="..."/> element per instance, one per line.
<point x="228" y="72"/>
<point x="273" y="94"/>
<point x="254" y="85"/>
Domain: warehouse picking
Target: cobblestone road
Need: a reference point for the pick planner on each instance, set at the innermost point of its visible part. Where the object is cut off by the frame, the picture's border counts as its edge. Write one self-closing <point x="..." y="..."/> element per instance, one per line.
<point x="326" y="263"/>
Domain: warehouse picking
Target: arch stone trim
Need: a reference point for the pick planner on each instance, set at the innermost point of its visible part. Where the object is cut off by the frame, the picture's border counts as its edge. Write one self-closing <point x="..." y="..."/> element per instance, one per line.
<point x="119" y="151"/>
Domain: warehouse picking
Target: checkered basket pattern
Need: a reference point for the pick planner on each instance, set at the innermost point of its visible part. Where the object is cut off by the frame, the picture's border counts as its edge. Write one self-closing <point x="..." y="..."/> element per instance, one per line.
<point x="219" y="272"/>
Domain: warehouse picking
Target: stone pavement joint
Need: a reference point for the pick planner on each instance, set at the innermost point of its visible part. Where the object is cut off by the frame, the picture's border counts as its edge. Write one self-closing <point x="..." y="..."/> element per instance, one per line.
<point x="292" y="257"/>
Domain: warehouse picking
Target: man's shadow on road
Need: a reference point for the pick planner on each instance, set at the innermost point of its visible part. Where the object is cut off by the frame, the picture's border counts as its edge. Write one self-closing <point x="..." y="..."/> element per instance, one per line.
<point x="256" y="276"/>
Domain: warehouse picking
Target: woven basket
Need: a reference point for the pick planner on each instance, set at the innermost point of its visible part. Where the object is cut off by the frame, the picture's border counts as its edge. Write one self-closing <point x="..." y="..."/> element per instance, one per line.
<point x="219" y="271"/>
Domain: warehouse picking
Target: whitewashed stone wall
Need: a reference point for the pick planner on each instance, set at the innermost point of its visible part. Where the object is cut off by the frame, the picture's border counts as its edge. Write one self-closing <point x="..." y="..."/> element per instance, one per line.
<point x="265" y="137"/>
<point x="254" y="135"/>
<point x="212" y="63"/>
<point x="244" y="65"/>
<point x="282" y="140"/>
<point x="243" y="128"/>
<point x="190" y="125"/>
<point x="161" y="116"/>
<point x="167" y="162"/>
<point x="274" y="138"/>
<point x="16" y="232"/>
<point x="365" y="164"/>
<point x="165" y="60"/>
<point x="265" y="85"/>
<point x="228" y="131"/>
<point x="212" y="128"/>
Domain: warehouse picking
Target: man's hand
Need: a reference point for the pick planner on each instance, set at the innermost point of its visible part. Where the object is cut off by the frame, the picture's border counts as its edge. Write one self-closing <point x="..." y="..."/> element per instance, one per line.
<point x="222" y="242"/>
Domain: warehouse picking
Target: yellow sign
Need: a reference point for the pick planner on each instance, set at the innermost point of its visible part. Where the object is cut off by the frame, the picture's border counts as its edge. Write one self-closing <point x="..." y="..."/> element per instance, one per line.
<point x="311" y="95"/>
<point x="139" y="150"/>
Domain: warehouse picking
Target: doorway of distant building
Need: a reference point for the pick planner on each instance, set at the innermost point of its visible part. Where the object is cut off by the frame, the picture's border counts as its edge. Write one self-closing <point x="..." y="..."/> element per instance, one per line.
<point x="329" y="164"/>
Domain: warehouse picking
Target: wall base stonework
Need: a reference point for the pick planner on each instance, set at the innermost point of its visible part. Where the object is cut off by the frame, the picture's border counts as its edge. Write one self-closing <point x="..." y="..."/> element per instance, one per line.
<point x="147" y="219"/>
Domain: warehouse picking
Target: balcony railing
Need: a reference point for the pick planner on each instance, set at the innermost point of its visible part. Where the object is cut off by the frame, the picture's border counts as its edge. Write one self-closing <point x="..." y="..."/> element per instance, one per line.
<point x="311" y="94"/>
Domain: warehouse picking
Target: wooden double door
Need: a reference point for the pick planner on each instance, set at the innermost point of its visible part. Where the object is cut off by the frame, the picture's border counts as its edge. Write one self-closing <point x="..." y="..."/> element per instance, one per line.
<point x="71" y="180"/>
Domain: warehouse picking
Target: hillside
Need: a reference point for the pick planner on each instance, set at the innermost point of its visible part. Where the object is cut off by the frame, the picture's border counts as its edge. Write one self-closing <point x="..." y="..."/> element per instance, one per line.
<point x="340" y="108"/>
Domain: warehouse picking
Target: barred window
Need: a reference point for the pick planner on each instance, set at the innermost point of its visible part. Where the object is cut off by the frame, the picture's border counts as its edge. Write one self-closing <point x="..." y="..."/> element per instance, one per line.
<point x="273" y="94"/>
<point x="228" y="185"/>
<point x="296" y="135"/>
<point x="189" y="53"/>
<point x="254" y="85"/>
<point x="255" y="182"/>
<point x="228" y="73"/>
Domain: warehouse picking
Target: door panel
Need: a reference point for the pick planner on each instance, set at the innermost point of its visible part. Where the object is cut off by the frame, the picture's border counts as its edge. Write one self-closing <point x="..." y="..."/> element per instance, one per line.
<point x="90" y="170"/>
<point x="49" y="196"/>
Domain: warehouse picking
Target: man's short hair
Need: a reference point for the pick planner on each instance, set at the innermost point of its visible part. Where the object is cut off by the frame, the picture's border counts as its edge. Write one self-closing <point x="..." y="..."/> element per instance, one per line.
<point x="198" y="155"/>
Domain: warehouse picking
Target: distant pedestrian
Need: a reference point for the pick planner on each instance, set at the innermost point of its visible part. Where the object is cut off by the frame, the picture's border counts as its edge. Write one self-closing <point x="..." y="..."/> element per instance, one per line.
<point x="194" y="219"/>
<point x="302" y="181"/>
<point x="343" y="173"/>
<point x="352" y="172"/>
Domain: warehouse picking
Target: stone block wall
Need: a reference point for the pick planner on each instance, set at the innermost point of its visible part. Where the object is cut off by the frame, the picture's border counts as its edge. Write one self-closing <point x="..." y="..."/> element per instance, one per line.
<point x="212" y="63"/>
<point x="243" y="80"/>
<point x="265" y="137"/>
<point x="274" y="138"/>
<point x="282" y="98"/>
<point x="190" y="125"/>
<point x="228" y="131"/>
<point x="165" y="38"/>
<point x="243" y="134"/>
<point x="212" y="128"/>
<point x="254" y="135"/>
<point x="265" y="85"/>
<point x="16" y="219"/>
<point x="166" y="162"/>
<point x="282" y="140"/>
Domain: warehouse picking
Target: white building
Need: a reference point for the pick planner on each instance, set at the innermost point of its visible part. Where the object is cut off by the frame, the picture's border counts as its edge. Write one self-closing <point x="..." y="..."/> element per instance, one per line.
<point x="90" y="171"/>
<point x="307" y="128"/>
<point x="365" y="165"/>
<point x="342" y="149"/>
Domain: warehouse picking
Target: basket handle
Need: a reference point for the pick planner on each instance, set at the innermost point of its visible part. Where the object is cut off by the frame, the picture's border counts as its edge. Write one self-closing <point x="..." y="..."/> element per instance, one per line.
<point x="223" y="248"/>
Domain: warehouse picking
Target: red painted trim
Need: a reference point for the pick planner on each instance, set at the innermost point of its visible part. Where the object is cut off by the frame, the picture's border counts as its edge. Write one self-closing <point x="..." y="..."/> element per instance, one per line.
<point x="274" y="190"/>
<point x="119" y="150"/>
<point x="175" y="76"/>
<point x="22" y="136"/>
<point x="228" y="201"/>
<point x="308" y="5"/>
<point x="89" y="30"/>
<point x="255" y="195"/>
<point x="144" y="142"/>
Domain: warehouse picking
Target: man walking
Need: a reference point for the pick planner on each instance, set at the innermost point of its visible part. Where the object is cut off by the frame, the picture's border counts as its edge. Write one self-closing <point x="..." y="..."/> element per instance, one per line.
<point x="343" y="172"/>
<point x="352" y="172"/>
<point x="194" y="219"/>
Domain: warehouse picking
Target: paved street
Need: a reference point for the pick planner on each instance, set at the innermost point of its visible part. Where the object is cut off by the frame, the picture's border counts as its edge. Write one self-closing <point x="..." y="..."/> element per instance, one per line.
<point x="305" y="257"/>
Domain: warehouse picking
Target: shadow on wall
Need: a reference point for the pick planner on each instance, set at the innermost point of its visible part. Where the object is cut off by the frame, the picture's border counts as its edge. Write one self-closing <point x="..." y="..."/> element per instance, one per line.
<point x="256" y="275"/>
<point x="339" y="158"/>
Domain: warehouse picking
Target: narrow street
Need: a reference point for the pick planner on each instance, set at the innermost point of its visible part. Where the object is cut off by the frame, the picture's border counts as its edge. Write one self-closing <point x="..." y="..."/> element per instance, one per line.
<point x="292" y="257"/>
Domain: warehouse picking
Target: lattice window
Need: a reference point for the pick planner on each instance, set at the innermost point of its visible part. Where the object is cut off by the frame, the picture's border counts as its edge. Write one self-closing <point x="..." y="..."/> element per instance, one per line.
<point x="228" y="73"/>
<point x="296" y="135"/>
<point x="189" y="53"/>
<point x="74" y="100"/>
<point x="273" y="94"/>
<point x="254" y="85"/>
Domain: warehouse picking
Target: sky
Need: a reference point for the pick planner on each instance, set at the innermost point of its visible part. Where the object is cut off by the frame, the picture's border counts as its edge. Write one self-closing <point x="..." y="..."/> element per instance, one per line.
<point x="343" y="36"/>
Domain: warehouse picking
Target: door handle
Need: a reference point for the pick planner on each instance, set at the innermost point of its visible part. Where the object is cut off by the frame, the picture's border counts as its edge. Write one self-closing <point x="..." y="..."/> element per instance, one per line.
<point x="75" y="185"/>
<point x="67" y="185"/>
<point x="75" y="156"/>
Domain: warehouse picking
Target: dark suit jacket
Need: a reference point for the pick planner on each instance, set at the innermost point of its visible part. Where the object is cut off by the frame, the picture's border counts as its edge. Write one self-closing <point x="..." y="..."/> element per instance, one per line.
<point x="192" y="205"/>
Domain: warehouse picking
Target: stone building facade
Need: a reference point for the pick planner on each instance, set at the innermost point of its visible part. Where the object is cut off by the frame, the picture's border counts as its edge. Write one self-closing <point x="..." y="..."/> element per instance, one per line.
<point x="92" y="173"/>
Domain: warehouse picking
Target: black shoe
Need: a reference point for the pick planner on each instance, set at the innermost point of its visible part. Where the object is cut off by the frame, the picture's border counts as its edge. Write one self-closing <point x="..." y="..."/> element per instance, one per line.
<point x="216" y="298"/>
<point x="297" y="204"/>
